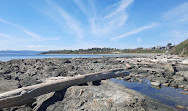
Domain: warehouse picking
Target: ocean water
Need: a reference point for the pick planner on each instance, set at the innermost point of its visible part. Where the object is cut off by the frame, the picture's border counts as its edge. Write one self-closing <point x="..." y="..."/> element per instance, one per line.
<point x="11" y="56"/>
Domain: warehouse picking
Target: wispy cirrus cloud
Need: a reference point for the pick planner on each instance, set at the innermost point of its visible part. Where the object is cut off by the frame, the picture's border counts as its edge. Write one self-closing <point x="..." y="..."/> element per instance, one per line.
<point x="176" y="20"/>
<point x="111" y="19"/>
<point x="135" y="31"/>
<point x="122" y="5"/>
<point x="26" y="31"/>
<point x="35" y="36"/>
<point x="82" y="7"/>
<point x="178" y="14"/>
<point x="177" y="36"/>
<point x="5" y="35"/>
<point x="62" y="14"/>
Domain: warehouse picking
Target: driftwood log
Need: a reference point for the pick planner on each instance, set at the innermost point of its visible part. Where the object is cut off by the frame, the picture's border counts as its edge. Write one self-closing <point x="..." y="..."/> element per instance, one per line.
<point x="22" y="95"/>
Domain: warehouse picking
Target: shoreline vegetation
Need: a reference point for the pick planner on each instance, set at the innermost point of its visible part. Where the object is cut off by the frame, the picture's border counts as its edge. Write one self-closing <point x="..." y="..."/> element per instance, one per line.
<point x="180" y="49"/>
<point x="105" y="51"/>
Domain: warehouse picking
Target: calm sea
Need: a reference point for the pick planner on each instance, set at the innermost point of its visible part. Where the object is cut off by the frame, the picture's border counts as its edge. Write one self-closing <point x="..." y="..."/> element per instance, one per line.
<point x="11" y="56"/>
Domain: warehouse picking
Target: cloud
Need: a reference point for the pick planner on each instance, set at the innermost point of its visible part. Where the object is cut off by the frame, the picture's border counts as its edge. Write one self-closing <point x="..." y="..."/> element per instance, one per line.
<point x="135" y="31"/>
<point x="32" y="34"/>
<point x="176" y="20"/>
<point x="82" y="7"/>
<point x="122" y="6"/>
<point x="178" y="14"/>
<point x="5" y="35"/>
<point x="178" y="36"/>
<point x="26" y="31"/>
<point x="101" y="23"/>
<point x="36" y="36"/>
<point x="112" y="18"/>
<point x="61" y="13"/>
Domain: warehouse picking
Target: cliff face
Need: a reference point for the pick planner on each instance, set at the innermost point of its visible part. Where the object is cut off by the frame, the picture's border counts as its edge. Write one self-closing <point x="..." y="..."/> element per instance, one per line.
<point x="181" y="49"/>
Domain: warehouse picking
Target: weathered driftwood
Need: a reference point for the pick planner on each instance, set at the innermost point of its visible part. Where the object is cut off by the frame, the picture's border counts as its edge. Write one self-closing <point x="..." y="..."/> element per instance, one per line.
<point x="22" y="95"/>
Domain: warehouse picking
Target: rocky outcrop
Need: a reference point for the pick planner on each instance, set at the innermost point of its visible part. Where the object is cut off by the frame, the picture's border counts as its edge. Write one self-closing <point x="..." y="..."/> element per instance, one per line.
<point x="20" y="73"/>
<point x="33" y="71"/>
<point x="168" y="70"/>
<point x="110" y="97"/>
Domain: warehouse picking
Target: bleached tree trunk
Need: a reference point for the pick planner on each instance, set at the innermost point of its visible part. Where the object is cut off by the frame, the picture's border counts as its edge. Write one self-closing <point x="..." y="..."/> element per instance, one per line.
<point x="21" y="95"/>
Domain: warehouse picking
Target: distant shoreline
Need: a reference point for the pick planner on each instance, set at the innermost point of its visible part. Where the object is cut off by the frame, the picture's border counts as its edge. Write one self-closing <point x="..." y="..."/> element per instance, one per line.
<point x="110" y="54"/>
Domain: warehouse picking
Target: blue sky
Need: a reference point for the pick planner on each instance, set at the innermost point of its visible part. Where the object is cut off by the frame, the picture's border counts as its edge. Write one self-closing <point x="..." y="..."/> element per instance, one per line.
<point x="74" y="24"/>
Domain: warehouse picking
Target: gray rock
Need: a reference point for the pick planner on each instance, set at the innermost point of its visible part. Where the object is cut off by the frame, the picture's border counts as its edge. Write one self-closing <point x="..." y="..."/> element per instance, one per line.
<point x="106" y="96"/>
<point x="161" y="80"/>
<point x="28" y="81"/>
<point x="169" y="68"/>
<point x="166" y="84"/>
<point x="110" y="97"/>
<point x="156" y="83"/>
<point x="183" y="73"/>
<point x="179" y="77"/>
<point x="180" y="67"/>
<point x="173" y="84"/>
<point x="182" y="84"/>
<point x="126" y="78"/>
<point x="1" y="72"/>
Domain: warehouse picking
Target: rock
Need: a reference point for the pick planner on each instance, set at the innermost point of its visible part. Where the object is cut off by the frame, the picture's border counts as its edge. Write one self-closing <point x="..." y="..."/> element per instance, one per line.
<point x="156" y="83"/>
<point x="173" y="84"/>
<point x="8" y="77"/>
<point x="160" y="79"/>
<point x="126" y="78"/>
<point x="106" y="96"/>
<point x="1" y="72"/>
<point x="111" y="96"/>
<point x="169" y="68"/>
<point x="67" y="61"/>
<point x="181" y="67"/>
<point x="183" y="73"/>
<point x="28" y="81"/>
<point x="166" y="84"/>
<point x="181" y="107"/>
<point x="179" y="77"/>
<point x="128" y="66"/>
<point x="184" y="92"/>
<point x="182" y="84"/>
<point x="7" y="85"/>
<point x="21" y="108"/>
<point x="186" y="88"/>
<point x="185" y="61"/>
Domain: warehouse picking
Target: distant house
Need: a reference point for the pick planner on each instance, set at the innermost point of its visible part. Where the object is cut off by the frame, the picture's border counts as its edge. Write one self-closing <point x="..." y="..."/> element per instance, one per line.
<point x="148" y="48"/>
<point x="140" y="48"/>
<point x="153" y="48"/>
<point x="163" y="47"/>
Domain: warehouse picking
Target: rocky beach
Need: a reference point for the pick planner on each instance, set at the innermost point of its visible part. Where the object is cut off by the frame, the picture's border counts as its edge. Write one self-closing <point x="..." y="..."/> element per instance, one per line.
<point x="160" y="69"/>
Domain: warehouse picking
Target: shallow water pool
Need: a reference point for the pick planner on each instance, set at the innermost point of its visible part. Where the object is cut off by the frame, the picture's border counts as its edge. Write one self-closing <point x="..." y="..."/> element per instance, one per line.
<point x="167" y="95"/>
